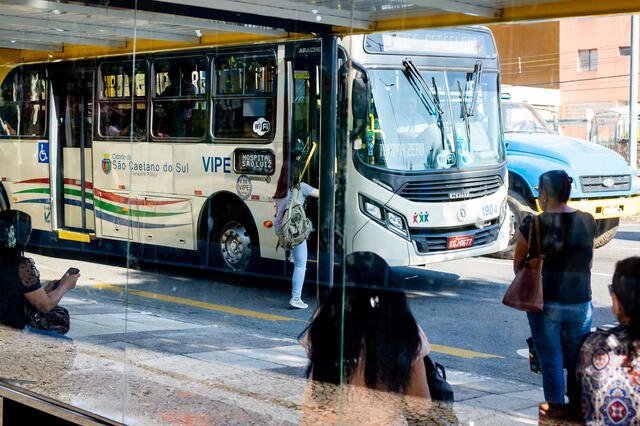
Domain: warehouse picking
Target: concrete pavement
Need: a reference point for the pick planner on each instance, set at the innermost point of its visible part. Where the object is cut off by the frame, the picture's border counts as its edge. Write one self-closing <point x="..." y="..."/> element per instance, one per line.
<point x="160" y="370"/>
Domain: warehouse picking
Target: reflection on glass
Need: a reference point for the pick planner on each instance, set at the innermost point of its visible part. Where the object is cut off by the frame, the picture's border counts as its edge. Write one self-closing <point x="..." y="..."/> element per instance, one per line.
<point x="366" y="351"/>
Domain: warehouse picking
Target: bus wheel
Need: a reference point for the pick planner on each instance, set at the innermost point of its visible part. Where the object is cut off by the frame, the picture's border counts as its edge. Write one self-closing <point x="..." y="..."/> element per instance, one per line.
<point x="4" y="203"/>
<point x="234" y="246"/>
<point x="518" y="209"/>
<point x="606" y="229"/>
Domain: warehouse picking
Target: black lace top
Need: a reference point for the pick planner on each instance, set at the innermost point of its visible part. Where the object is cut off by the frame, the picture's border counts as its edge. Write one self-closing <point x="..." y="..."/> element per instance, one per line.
<point x="13" y="286"/>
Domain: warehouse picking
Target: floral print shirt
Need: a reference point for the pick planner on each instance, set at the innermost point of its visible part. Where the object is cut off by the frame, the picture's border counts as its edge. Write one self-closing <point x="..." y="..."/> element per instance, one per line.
<point x="610" y="384"/>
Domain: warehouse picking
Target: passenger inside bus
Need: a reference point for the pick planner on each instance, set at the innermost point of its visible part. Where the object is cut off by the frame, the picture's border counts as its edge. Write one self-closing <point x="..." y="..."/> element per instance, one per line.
<point x="115" y="121"/>
<point x="8" y="112"/>
<point x="175" y="119"/>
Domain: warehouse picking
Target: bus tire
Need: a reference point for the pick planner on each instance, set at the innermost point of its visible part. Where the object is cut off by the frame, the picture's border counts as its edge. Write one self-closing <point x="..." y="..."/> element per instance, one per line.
<point x="234" y="243"/>
<point x="606" y="230"/>
<point x="4" y="200"/>
<point x="519" y="209"/>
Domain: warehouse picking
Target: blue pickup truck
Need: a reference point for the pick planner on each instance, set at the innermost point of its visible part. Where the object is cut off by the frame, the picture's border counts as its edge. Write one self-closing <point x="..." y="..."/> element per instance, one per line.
<point x="603" y="183"/>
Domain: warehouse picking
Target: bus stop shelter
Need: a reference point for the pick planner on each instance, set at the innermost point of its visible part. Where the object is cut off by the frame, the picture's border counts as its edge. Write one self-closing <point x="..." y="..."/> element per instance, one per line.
<point x="34" y="30"/>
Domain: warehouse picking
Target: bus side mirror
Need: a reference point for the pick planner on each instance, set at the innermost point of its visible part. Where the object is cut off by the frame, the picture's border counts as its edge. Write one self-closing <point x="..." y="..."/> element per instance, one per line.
<point x="360" y="97"/>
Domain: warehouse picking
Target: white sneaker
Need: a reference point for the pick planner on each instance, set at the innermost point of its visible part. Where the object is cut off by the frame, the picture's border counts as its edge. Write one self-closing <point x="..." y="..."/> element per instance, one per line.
<point x="296" y="302"/>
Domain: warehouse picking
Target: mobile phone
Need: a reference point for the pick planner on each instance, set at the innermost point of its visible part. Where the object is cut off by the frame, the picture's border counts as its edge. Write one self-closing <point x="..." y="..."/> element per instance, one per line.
<point x="73" y="271"/>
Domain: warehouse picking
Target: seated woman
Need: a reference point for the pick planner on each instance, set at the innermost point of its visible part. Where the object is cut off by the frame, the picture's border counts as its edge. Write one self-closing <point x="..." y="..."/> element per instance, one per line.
<point x="366" y="339"/>
<point x="19" y="279"/>
<point x="609" y="369"/>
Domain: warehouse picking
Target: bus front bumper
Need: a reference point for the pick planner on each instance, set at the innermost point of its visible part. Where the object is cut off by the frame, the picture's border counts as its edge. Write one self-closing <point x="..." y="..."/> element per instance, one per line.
<point x="398" y="251"/>
<point x="608" y="208"/>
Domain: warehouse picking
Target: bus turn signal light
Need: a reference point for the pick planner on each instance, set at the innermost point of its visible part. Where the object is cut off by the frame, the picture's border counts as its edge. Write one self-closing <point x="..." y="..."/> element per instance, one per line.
<point x="267" y="224"/>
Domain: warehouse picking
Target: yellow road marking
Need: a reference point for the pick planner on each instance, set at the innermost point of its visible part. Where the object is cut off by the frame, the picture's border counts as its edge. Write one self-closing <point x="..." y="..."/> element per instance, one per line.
<point x="196" y="303"/>
<point x="463" y="353"/>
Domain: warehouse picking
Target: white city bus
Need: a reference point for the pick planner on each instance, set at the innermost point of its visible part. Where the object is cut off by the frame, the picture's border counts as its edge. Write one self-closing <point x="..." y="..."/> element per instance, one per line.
<point x="177" y="153"/>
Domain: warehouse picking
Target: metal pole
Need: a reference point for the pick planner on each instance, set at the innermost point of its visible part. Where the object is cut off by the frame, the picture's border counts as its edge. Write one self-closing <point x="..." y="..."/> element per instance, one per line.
<point x="328" y="116"/>
<point x="633" y="95"/>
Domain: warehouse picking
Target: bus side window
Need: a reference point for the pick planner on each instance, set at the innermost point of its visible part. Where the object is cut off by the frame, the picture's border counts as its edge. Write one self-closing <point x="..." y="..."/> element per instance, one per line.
<point x="118" y="82"/>
<point x="179" y="102"/>
<point x="23" y="103"/>
<point x="244" y="97"/>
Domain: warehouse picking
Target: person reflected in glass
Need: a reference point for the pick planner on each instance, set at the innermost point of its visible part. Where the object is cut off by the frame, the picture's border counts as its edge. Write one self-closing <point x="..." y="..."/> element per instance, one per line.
<point x="566" y="241"/>
<point x="299" y="253"/>
<point x="366" y="352"/>
<point x="609" y="369"/>
<point x="20" y="285"/>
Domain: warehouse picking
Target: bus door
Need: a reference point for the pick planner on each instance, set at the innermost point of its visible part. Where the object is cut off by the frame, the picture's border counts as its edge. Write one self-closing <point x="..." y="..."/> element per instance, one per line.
<point x="70" y="142"/>
<point x="303" y="75"/>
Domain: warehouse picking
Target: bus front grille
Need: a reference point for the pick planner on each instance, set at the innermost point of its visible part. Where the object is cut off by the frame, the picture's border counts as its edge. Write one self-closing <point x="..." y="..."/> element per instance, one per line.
<point x="456" y="189"/>
<point x="435" y="240"/>
<point x="605" y="183"/>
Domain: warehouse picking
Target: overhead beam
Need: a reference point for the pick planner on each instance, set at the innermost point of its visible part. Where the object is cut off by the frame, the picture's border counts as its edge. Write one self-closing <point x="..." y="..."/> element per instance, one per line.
<point x="26" y="45"/>
<point x="458" y="7"/>
<point x="285" y="10"/>
<point x="148" y="17"/>
<point x="122" y="31"/>
<point x="38" y="37"/>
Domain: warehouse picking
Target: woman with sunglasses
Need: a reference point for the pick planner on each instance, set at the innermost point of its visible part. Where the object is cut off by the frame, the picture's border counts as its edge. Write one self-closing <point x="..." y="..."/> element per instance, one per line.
<point x="609" y="369"/>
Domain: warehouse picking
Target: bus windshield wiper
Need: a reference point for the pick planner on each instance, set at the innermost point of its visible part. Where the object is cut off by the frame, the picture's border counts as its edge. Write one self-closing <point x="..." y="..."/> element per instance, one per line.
<point x="464" y="114"/>
<point x="430" y="102"/>
<point x="475" y="76"/>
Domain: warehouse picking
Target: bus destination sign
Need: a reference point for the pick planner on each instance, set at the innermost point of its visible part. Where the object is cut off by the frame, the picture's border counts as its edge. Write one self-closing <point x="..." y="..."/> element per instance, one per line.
<point x="254" y="161"/>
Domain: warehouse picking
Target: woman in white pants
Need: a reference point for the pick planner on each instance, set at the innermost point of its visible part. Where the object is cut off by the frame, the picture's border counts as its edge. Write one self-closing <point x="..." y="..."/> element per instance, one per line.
<point x="299" y="252"/>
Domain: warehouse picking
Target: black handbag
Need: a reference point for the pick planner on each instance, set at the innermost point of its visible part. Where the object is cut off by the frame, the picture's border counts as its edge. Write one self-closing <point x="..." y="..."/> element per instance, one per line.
<point x="439" y="388"/>
<point x="55" y="320"/>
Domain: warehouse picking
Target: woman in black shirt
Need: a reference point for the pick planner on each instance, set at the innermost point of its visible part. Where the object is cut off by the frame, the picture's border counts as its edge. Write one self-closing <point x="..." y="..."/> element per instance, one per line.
<point x="566" y="242"/>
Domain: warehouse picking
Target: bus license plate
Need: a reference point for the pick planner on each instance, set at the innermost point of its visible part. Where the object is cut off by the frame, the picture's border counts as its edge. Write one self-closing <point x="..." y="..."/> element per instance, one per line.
<point x="460" y="241"/>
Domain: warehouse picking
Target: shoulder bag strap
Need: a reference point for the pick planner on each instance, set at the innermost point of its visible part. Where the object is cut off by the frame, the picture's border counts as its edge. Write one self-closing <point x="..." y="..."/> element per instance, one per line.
<point x="536" y="223"/>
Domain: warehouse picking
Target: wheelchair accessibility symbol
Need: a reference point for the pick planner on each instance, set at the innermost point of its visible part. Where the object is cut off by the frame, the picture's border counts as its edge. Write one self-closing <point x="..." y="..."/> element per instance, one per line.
<point x="43" y="152"/>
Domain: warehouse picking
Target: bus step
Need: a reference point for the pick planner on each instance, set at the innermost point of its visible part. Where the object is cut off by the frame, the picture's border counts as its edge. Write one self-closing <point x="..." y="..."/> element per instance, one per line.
<point x="74" y="236"/>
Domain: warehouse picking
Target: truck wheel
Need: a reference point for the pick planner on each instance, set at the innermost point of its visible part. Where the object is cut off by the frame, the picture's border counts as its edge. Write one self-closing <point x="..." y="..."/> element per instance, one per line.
<point x="606" y="229"/>
<point x="234" y="244"/>
<point x="518" y="209"/>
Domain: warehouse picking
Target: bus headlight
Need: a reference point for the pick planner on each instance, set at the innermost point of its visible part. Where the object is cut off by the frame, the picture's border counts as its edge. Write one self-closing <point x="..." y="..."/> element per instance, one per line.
<point x="503" y="211"/>
<point x="636" y="181"/>
<point x="372" y="210"/>
<point x="395" y="221"/>
<point x="384" y="216"/>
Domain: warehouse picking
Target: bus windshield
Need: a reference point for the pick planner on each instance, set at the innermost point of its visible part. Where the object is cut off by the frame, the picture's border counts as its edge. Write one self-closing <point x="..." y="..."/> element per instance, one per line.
<point x="446" y="122"/>
<point x="523" y="118"/>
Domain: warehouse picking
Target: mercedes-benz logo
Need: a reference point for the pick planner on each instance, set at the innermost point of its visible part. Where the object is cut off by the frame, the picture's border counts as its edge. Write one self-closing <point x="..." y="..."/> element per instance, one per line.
<point x="608" y="182"/>
<point x="461" y="215"/>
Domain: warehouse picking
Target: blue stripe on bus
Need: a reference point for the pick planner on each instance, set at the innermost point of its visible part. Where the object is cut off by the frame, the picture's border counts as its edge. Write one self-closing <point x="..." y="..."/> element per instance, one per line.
<point x="35" y="200"/>
<point x="69" y="201"/>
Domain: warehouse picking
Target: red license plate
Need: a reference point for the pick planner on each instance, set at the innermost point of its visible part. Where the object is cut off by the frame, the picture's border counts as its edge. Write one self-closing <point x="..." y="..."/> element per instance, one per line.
<point x="460" y="241"/>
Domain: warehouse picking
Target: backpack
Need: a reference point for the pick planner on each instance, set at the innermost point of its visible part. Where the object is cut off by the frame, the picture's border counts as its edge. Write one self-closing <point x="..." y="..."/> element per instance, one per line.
<point x="296" y="226"/>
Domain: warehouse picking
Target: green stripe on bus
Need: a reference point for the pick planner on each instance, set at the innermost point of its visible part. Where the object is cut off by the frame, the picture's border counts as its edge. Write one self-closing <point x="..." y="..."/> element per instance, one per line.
<point x="78" y="193"/>
<point x="34" y="191"/>
<point x="129" y="212"/>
